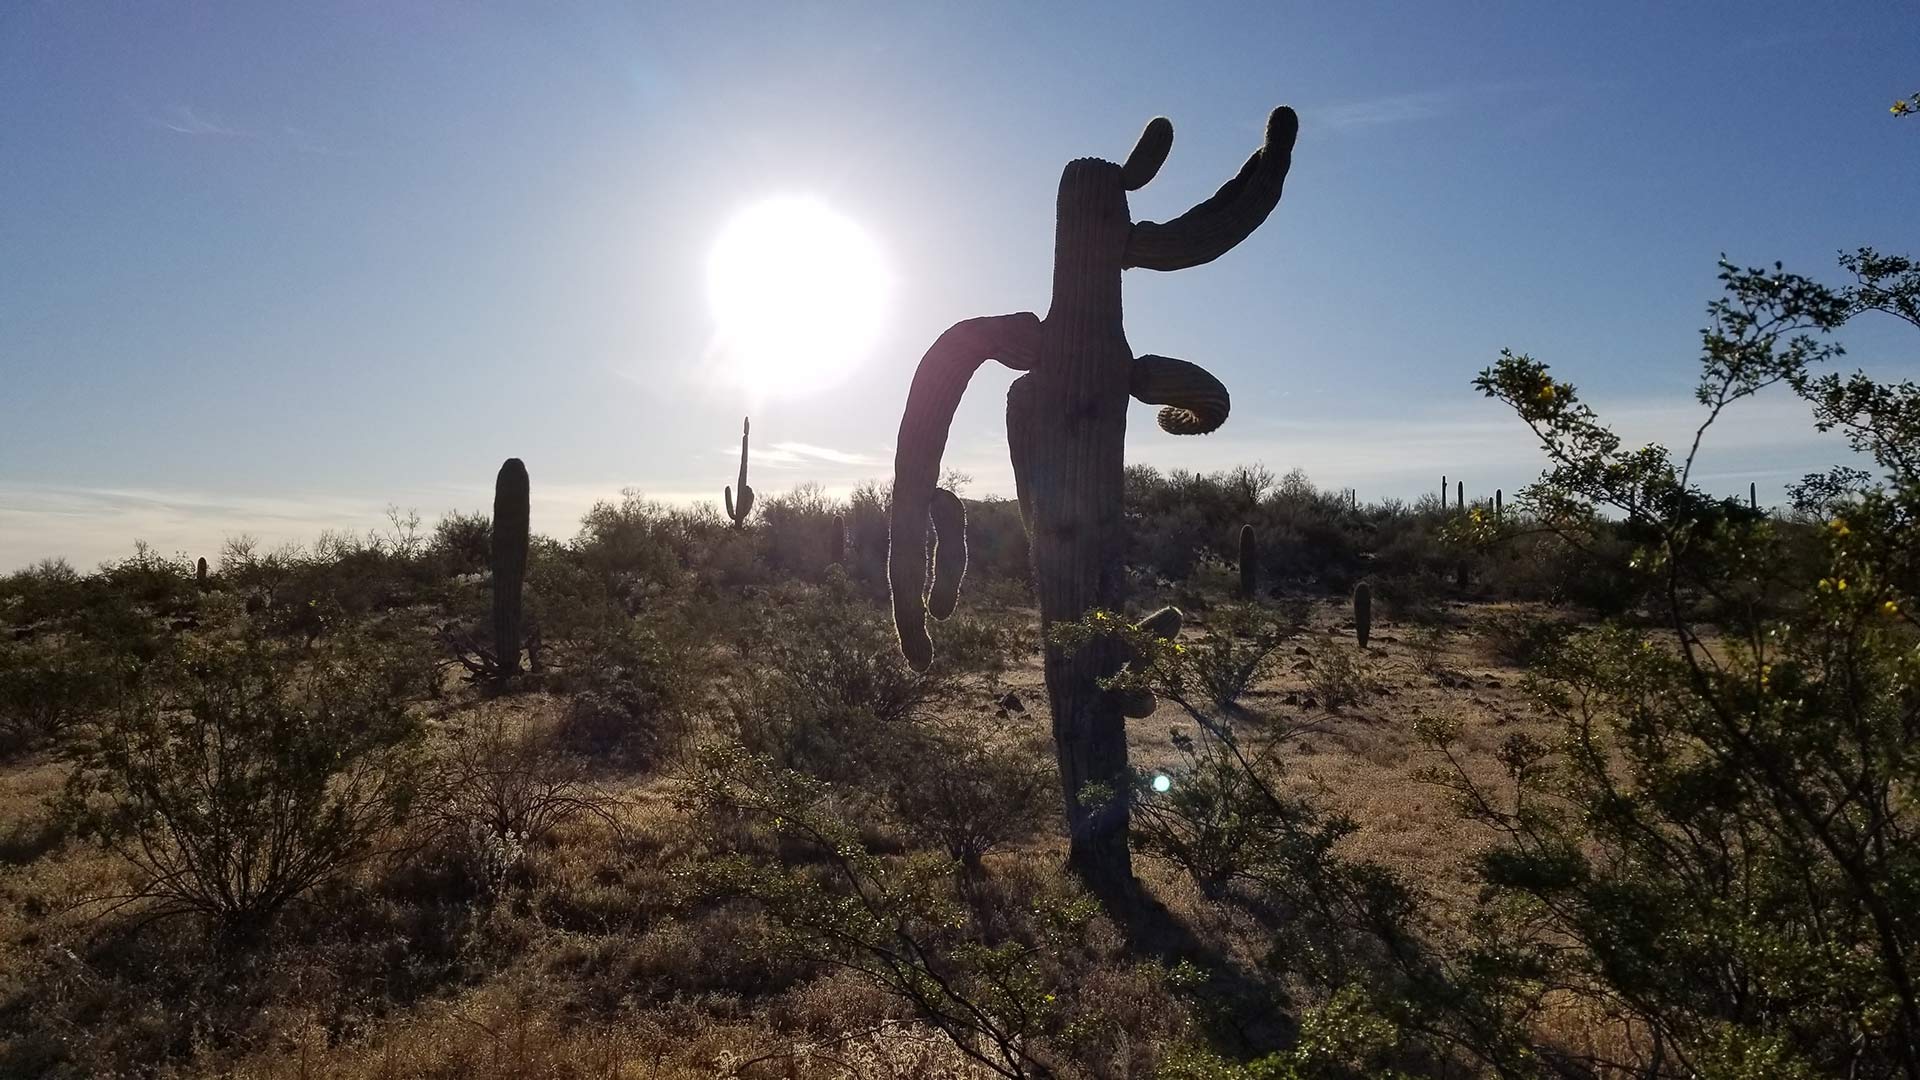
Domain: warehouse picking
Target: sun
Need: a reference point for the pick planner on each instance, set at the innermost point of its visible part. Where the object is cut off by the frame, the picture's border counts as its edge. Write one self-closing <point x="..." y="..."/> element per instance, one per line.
<point x="798" y="292"/>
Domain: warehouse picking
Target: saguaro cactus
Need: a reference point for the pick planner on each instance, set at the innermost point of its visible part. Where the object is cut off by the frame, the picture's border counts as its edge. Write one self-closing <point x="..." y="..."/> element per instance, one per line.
<point x="1459" y="494"/>
<point x="200" y="573"/>
<point x="1362" y="612"/>
<point x="738" y="512"/>
<point x="1753" y="496"/>
<point x="509" y="562"/>
<point x="1499" y="504"/>
<point x="1249" y="563"/>
<point x="1443" y="493"/>
<point x="1066" y="430"/>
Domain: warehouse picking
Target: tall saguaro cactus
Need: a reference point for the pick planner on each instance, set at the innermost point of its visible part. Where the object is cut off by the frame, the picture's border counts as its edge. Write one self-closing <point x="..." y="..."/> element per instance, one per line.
<point x="1249" y="563"/>
<point x="739" y="511"/>
<point x="509" y="562"/>
<point x="1066" y="430"/>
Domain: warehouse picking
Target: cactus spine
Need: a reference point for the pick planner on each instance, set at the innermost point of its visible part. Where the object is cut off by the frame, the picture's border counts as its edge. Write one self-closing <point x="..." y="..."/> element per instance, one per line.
<point x="1362" y="613"/>
<point x="1249" y="563"/>
<point x="739" y="512"/>
<point x="509" y="562"/>
<point x="1066" y="430"/>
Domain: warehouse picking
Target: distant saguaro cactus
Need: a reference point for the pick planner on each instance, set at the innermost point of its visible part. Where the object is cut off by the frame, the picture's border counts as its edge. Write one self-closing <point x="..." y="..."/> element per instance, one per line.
<point x="1443" y="493"/>
<point x="1249" y="563"/>
<point x="837" y="542"/>
<point x="1066" y="430"/>
<point x="738" y="512"/>
<point x="1362" y="612"/>
<point x="200" y="573"/>
<point x="1499" y="504"/>
<point x="509" y="562"/>
<point x="1459" y="494"/>
<point x="1753" y="496"/>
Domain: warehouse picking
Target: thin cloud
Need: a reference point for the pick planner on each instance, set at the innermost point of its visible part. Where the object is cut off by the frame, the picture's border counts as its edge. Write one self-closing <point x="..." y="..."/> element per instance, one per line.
<point x="794" y="455"/>
<point x="1393" y="109"/>
<point x="186" y="120"/>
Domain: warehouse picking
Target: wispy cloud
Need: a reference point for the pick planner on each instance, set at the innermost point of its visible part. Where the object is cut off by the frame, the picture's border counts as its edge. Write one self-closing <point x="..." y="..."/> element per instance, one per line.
<point x="1392" y="109"/>
<point x="186" y="120"/>
<point x="794" y="455"/>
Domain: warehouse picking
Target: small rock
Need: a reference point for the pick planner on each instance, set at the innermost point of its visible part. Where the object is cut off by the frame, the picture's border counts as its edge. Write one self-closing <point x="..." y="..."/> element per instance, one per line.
<point x="1299" y="650"/>
<point x="1290" y="699"/>
<point x="1011" y="702"/>
<point x="1308" y="702"/>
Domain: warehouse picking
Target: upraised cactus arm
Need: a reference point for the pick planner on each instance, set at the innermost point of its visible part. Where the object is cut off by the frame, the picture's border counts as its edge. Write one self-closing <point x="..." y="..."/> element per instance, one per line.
<point x="1212" y="228"/>
<point x="1196" y="402"/>
<point x="938" y="384"/>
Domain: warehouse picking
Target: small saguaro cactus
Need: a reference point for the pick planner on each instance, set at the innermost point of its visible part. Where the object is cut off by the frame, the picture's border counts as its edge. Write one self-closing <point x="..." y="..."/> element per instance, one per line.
<point x="1066" y="433"/>
<point x="509" y="562"/>
<point x="1362" y="612"/>
<point x="1499" y="503"/>
<point x="1249" y="563"/>
<point x="1459" y="494"/>
<point x="1753" y="496"/>
<point x="200" y="573"/>
<point x="837" y="542"/>
<point x="1443" y="493"/>
<point x="738" y="511"/>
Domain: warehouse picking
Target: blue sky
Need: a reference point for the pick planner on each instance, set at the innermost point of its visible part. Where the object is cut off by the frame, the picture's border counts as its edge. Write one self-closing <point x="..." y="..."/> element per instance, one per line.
<point x="267" y="268"/>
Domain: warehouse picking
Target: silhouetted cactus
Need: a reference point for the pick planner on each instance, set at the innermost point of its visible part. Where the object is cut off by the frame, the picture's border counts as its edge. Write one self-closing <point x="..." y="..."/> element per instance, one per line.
<point x="1362" y="612"/>
<point x="509" y="562"/>
<point x="1753" y="496"/>
<point x="740" y="511"/>
<point x="837" y="542"/>
<point x="949" y="551"/>
<point x="1459" y="494"/>
<point x="200" y="573"/>
<point x="1443" y="493"/>
<point x="1249" y="563"/>
<point x="1066" y="428"/>
<point x="1499" y="505"/>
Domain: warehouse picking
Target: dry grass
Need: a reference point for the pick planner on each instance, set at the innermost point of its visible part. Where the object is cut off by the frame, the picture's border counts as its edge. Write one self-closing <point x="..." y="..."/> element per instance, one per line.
<point x="589" y="961"/>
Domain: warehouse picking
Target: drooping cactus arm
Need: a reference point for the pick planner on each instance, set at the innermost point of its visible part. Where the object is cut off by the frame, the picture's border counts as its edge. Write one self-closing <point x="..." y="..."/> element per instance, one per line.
<point x="1212" y="228"/>
<point x="1020" y="427"/>
<point x="938" y="384"/>
<point x="949" y="551"/>
<point x="1196" y="402"/>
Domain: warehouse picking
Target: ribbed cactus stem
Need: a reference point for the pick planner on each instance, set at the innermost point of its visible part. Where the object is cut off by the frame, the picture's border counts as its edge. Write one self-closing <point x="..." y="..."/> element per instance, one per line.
<point x="200" y="573"/>
<point x="949" y="552"/>
<point x="738" y="512"/>
<point x="1362" y="613"/>
<point x="509" y="562"/>
<point x="1459" y="494"/>
<point x="1249" y="563"/>
<point x="1443" y="493"/>
<point x="1753" y="496"/>
<point x="1066" y="432"/>
<point x="1499" y="505"/>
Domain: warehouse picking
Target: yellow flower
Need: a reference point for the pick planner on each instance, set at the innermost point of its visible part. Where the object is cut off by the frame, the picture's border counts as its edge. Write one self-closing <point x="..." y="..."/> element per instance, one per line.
<point x="1546" y="392"/>
<point x="1826" y="584"/>
<point x="1841" y="584"/>
<point x="1839" y="526"/>
<point x="1890" y="608"/>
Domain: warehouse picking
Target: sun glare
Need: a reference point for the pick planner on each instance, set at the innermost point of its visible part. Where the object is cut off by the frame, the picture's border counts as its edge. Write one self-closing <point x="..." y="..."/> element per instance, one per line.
<point x="798" y="292"/>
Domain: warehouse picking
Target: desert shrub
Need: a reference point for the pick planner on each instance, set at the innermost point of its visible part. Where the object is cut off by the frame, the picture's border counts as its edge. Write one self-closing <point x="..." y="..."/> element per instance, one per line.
<point x="242" y="772"/>
<point x="463" y="542"/>
<point x="633" y="688"/>
<point x="1720" y="853"/>
<point x="1519" y="637"/>
<point x="1241" y="646"/>
<point x="962" y="790"/>
<point x="502" y="783"/>
<point x="1342" y="675"/>
<point x="48" y="684"/>
<point x="901" y="923"/>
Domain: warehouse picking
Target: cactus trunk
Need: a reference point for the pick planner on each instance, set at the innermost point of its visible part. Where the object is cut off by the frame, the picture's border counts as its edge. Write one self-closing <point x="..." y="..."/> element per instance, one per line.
<point x="739" y="508"/>
<point x="200" y="574"/>
<point x="1066" y="432"/>
<point x="1249" y="563"/>
<point x="1362" y="613"/>
<point x="509" y="562"/>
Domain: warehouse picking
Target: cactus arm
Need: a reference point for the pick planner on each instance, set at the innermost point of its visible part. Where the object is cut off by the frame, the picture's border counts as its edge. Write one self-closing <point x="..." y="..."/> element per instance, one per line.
<point x="1014" y="340"/>
<point x="727" y="493"/>
<point x="949" y="551"/>
<point x="1020" y="421"/>
<point x="1212" y="228"/>
<point x="1196" y="402"/>
<point x="1148" y="154"/>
